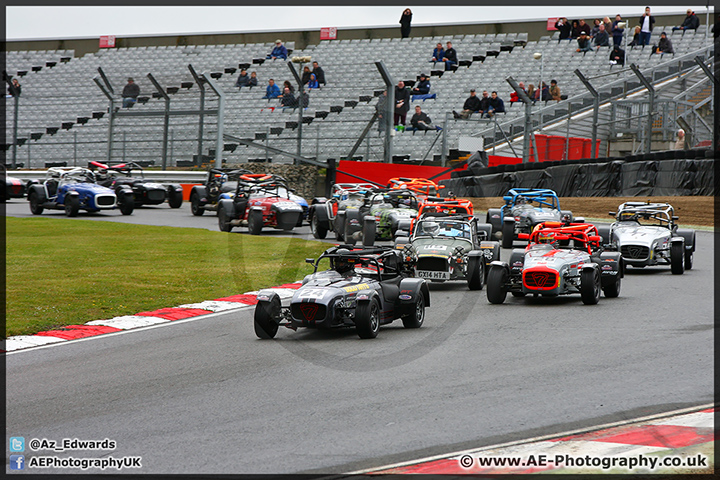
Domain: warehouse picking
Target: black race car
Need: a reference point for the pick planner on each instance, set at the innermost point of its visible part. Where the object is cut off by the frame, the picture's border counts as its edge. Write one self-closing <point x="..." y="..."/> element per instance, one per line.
<point x="220" y="183"/>
<point x="361" y="288"/>
<point x="131" y="174"/>
<point x="14" y="188"/>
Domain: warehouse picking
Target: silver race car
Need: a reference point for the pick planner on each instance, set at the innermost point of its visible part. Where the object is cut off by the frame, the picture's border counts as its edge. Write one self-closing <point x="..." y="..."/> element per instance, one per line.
<point x="647" y="234"/>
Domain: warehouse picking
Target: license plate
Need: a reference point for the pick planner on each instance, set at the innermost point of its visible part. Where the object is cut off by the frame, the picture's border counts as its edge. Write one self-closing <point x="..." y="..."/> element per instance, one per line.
<point x="432" y="275"/>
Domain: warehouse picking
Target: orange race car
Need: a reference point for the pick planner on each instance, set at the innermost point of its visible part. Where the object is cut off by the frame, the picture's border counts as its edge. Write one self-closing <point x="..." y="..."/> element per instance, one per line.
<point x="422" y="187"/>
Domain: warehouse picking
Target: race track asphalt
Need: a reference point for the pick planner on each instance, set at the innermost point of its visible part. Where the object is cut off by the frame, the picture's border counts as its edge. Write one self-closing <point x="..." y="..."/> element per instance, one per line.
<point x="207" y="396"/>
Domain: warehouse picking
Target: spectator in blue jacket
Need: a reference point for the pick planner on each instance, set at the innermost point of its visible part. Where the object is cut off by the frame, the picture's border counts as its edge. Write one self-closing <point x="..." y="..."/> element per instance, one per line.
<point x="423" y="86"/>
<point x="272" y="90"/>
<point x="279" y="51"/>
<point x="617" y="32"/>
<point x="313" y="83"/>
<point x="438" y="53"/>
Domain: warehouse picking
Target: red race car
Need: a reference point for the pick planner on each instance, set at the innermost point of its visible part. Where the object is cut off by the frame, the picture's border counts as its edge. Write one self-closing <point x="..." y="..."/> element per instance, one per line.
<point x="561" y="258"/>
<point x="261" y="200"/>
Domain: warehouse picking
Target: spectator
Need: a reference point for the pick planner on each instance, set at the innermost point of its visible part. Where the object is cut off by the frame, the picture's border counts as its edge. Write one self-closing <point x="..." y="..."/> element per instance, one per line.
<point x="601" y="38"/>
<point x="287" y="99"/>
<point x="423" y="86"/>
<point x="420" y="120"/>
<point x="583" y="28"/>
<point x="130" y="93"/>
<point x="438" y="53"/>
<point x="381" y="108"/>
<point x="646" y="26"/>
<point x="514" y="97"/>
<point x="636" y="37"/>
<point x="608" y="24"/>
<point x="287" y="84"/>
<point x="319" y="73"/>
<point x="691" y="22"/>
<point x="565" y="28"/>
<point x="272" y="90"/>
<point x="496" y="105"/>
<point x="402" y="103"/>
<point x="243" y="79"/>
<point x="680" y="142"/>
<point x="471" y="105"/>
<point x="18" y="89"/>
<point x="306" y="75"/>
<point x="531" y="91"/>
<point x="279" y="51"/>
<point x="575" y="31"/>
<point x="450" y="56"/>
<point x="584" y="44"/>
<point x="595" y="28"/>
<point x="617" y="56"/>
<point x="405" y="20"/>
<point x="253" y="80"/>
<point x="617" y="32"/>
<point x="313" y="83"/>
<point x="542" y="93"/>
<point x="484" y="103"/>
<point x="555" y="91"/>
<point x="664" y="45"/>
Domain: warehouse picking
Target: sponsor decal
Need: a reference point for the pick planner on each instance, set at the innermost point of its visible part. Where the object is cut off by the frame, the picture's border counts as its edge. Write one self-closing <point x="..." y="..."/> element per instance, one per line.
<point x="355" y="288"/>
<point x="405" y="297"/>
<point x="517" y="264"/>
<point x="263" y="298"/>
<point x="495" y="216"/>
<point x="606" y="267"/>
<point x="363" y="297"/>
<point x="437" y="247"/>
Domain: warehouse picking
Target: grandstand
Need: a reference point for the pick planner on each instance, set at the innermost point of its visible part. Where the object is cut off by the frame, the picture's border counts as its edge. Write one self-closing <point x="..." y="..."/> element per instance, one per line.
<point x="63" y="115"/>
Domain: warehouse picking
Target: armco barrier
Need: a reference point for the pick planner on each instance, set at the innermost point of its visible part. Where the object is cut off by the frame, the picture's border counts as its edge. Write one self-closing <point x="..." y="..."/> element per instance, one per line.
<point x="587" y="178"/>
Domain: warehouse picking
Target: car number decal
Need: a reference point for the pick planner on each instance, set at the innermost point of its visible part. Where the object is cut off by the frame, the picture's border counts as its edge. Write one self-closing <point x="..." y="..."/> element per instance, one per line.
<point x="312" y="293"/>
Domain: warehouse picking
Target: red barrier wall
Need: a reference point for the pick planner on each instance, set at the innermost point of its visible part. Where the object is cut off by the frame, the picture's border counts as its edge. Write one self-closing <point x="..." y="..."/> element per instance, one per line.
<point x="382" y="172"/>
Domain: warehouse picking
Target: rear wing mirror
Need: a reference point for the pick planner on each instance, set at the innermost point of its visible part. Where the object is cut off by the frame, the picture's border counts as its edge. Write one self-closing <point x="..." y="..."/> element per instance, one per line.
<point x="675" y="218"/>
<point x="595" y="238"/>
<point x="310" y="260"/>
<point x="612" y="214"/>
<point x="523" y="236"/>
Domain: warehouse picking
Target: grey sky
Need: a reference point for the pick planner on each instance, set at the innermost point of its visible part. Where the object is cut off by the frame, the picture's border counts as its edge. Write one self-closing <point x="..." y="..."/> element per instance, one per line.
<point x="42" y="22"/>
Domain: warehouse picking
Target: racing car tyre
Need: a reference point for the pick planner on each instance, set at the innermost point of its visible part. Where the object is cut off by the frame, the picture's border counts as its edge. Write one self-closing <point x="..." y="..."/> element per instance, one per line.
<point x="689" y="255"/>
<point x="127" y="204"/>
<point x="476" y="273"/>
<point x="497" y="278"/>
<point x="415" y="318"/>
<point x="367" y="318"/>
<point x="677" y="256"/>
<point x="368" y="233"/>
<point x="223" y="222"/>
<point x="35" y="204"/>
<point x="318" y="231"/>
<point x="195" y="206"/>
<point x="175" y="198"/>
<point x="348" y="237"/>
<point x="340" y="226"/>
<point x="590" y="286"/>
<point x="72" y="206"/>
<point x="508" y="234"/>
<point x="255" y="222"/>
<point x="613" y="290"/>
<point x="265" y="320"/>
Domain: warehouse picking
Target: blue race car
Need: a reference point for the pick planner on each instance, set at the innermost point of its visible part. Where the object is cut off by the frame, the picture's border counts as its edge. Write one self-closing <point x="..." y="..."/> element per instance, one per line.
<point x="524" y="208"/>
<point x="74" y="188"/>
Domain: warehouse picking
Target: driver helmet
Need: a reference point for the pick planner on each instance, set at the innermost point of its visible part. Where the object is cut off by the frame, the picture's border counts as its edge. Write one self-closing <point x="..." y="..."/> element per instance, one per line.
<point x="520" y="200"/>
<point x="430" y="228"/>
<point x="342" y="263"/>
<point x="628" y="217"/>
<point x="546" y="237"/>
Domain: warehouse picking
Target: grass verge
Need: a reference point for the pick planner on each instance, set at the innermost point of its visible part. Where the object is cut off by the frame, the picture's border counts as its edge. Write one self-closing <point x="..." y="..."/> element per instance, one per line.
<point x="65" y="273"/>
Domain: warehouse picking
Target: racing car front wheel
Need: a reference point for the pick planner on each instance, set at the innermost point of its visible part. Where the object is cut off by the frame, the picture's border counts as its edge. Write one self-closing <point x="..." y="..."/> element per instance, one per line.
<point x="255" y="222"/>
<point x="223" y="221"/>
<point x="175" y="198"/>
<point x="476" y="273"/>
<point x="496" y="290"/>
<point x="415" y="318"/>
<point x="127" y="204"/>
<point x="367" y="318"/>
<point x="195" y="206"/>
<point x="35" y="204"/>
<point x="590" y="286"/>
<point x="318" y="230"/>
<point x="677" y="255"/>
<point x="508" y="234"/>
<point x="72" y="206"/>
<point x="266" y="315"/>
